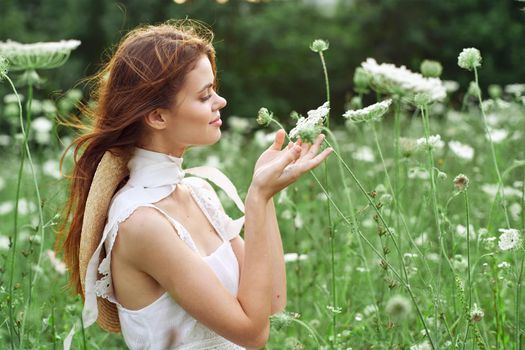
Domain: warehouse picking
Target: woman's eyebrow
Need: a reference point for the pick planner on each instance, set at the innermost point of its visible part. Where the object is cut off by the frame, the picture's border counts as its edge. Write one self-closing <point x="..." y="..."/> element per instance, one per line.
<point x="206" y="87"/>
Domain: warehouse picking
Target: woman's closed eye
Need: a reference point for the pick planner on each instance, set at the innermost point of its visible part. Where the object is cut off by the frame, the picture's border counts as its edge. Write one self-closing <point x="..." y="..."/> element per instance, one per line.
<point x="205" y="98"/>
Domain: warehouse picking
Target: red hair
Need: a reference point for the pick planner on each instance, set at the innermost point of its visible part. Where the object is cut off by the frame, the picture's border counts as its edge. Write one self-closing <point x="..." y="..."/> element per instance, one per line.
<point x="146" y="71"/>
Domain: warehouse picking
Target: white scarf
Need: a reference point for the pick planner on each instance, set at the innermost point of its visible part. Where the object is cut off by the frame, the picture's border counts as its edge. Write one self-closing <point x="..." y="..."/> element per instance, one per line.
<point x="153" y="176"/>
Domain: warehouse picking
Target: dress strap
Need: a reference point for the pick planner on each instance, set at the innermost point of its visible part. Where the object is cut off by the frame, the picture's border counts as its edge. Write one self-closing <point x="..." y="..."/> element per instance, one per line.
<point x="181" y="230"/>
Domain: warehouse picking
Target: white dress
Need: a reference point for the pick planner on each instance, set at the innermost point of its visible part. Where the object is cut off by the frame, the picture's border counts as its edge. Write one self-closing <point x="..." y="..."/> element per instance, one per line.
<point x="164" y="324"/>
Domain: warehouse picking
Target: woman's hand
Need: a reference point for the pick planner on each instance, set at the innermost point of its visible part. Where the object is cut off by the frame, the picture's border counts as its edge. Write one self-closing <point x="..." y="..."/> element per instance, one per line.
<point x="276" y="169"/>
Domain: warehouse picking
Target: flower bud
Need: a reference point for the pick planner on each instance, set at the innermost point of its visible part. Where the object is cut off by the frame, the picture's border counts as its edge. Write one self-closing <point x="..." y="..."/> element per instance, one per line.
<point x="319" y="45"/>
<point x="495" y="91"/>
<point x="431" y="69"/>
<point x="473" y="89"/>
<point x="461" y="182"/>
<point x="422" y="99"/>
<point x="361" y="80"/>
<point x="469" y="58"/>
<point x="264" y="117"/>
<point x="3" y="67"/>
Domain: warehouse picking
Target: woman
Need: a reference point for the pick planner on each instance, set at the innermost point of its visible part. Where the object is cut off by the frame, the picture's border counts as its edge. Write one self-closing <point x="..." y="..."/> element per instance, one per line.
<point x="177" y="275"/>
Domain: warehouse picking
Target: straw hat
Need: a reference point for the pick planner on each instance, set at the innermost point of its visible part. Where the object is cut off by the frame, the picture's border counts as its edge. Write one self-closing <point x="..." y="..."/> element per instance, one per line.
<point x="110" y="172"/>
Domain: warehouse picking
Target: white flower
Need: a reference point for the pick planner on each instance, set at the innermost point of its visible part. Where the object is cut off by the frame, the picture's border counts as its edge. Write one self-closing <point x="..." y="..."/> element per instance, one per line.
<point x="51" y="168"/>
<point x="509" y="239"/>
<point x="387" y="78"/>
<point x="460" y="262"/>
<point x="370" y="309"/>
<point x="422" y="239"/>
<point x="462" y="231"/>
<point x="37" y="55"/>
<point x="476" y="314"/>
<point x="41" y="125"/>
<point x="213" y="161"/>
<point x="423" y="346"/>
<point x="492" y="190"/>
<point x="358" y="316"/>
<point x="5" y="140"/>
<point x="263" y="139"/>
<point x="308" y="128"/>
<point x="469" y="58"/>
<point x="292" y="257"/>
<point x="371" y="113"/>
<point x="6" y="207"/>
<point x="238" y="124"/>
<point x="4" y="242"/>
<point x="298" y="221"/>
<point x="364" y="153"/>
<point x="434" y="141"/>
<point x="498" y="135"/>
<point x="461" y="150"/>
<point x="503" y="265"/>
<point x="515" y="89"/>
<point x="398" y="306"/>
<point x="451" y="85"/>
<point x="25" y="207"/>
<point x="57" y="264"/>
<point x="515" y="211"/>
<point x="418" y="173"/>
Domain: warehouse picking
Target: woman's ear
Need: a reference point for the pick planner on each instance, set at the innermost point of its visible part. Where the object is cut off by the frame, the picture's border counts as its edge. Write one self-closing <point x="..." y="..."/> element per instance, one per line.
<point x="156" y="119"/>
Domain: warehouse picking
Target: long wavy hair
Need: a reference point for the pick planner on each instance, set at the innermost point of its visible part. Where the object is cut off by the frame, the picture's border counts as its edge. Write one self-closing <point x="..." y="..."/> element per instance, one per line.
<point x="147" y="69"/>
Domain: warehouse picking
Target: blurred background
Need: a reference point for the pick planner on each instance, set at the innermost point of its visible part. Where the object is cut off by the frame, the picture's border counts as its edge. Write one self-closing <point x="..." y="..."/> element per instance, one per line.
<point x="263" y="53"/>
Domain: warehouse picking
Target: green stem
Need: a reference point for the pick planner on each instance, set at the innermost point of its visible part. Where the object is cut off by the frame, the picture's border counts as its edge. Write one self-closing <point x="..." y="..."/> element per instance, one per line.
<point x="406" y="285"/>
<point x="327" y="83"/>
<point x="12" y="330"/>
<point x="493" y="152"/>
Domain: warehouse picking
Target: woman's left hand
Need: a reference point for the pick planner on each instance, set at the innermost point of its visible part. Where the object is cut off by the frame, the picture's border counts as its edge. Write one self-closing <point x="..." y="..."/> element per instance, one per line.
<point x="273" y="151"/>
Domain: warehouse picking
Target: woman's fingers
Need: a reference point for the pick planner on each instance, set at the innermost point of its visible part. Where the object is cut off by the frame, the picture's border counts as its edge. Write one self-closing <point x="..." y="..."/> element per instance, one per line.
<point x="309" y="164"/>
<point x="279" y="140"/>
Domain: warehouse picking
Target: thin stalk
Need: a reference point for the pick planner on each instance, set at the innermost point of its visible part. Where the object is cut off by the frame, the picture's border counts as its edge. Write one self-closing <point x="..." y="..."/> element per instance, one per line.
<point x="520" y="274"/>
<point x="493" y="152"/>
<point x="406" y="285"/>
<point x="397" y="203"/>
<point x="354" y="220"/>
<point x="12" y="330"/>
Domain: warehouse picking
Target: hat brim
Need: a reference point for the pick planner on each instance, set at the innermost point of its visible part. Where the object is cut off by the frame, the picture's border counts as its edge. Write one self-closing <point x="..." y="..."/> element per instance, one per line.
<point x="110" y="172"/>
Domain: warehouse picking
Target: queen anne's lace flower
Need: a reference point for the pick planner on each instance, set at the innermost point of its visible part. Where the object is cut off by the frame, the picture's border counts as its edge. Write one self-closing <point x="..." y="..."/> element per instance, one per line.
<point x="308" y="128"/>
<point x="398" y="306"/>
<point x="264" y="117"/>
<point x="461" y="150"/>
<point x="319" y="45"/>
<point x="434" y="142"/>
<point x="369" y="114"/>
<point x="38" y="55"/>
<point x="3" y="67"/>
<point x="469" y="58"/>
<point x="387" y="78"/>
<point x="509" y="238"/>
<point x="461" y="182"/>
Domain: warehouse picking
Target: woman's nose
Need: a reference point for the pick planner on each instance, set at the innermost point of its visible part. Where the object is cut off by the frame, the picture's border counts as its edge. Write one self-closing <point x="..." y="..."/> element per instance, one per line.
<point x="221" y="102"/>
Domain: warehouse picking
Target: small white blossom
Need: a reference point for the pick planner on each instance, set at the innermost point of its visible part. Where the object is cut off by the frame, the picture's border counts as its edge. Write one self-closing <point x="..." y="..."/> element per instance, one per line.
<point x="509" y="239"/>
<point x="498" y="135"/>
<point x="364" y="153"/>
<point x="41" y="125"/>
<point x="308" y="128"/>
<point x="451" y="85"/>
<point x="476" y="314"/>
<point x="57" y="264"/>
<point x="237" y="124"/>
<point x="503" y="265"/>
<point x="387" y="78"/>
<point x="469" y="58"/>
<point x="461" y="150"/>
<point x="51" y="168"/>
<point x="434" y="141"/>
<point x="422" y="346"/>
<point x="6" y="207"/>
<point x="418" y="173"/>
<point x="358" y="316"/>
<point x="462" y="231"/>
<point x="515" y="89"/>
<point x="369" y="114"/>
<point x="370" y="309"/>
<point x="4" y="242"/>
<point x="37" y="55"/>
<point x="292" y="257"/>
<point x="398" y="306"/>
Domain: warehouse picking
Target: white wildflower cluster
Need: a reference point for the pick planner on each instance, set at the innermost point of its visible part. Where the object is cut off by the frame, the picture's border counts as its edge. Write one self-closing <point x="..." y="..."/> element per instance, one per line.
<point x="308" y="128"/>
<point x="515" y="89"/>
<point x="422" y="346"/>
<point x="461" y="150"/>
<point x="371" y="113"/>
<point x="387" y="78"/>
<point x="292" y="257"/>
<point x="434" y="142"/>
<point x="238" y="124"/>
<point x="42" y="127"/>
<point x="476" y="314"/>
<point x="398" y="307"/>
<point x="37" y="55"/>
<point x="469" y="58"/>
<point x="57" y="264"/>
<point x="365" y="154"/>
<point x="509" y="239"/>
<point x="3" y="67"/>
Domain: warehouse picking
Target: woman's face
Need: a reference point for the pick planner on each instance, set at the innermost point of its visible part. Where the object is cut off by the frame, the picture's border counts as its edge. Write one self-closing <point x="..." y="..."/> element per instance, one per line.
<point x="189" y="119"/>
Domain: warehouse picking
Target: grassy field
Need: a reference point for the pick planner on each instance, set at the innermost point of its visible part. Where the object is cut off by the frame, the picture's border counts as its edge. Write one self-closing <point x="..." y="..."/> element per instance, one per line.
<point x="385" y="249"/>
